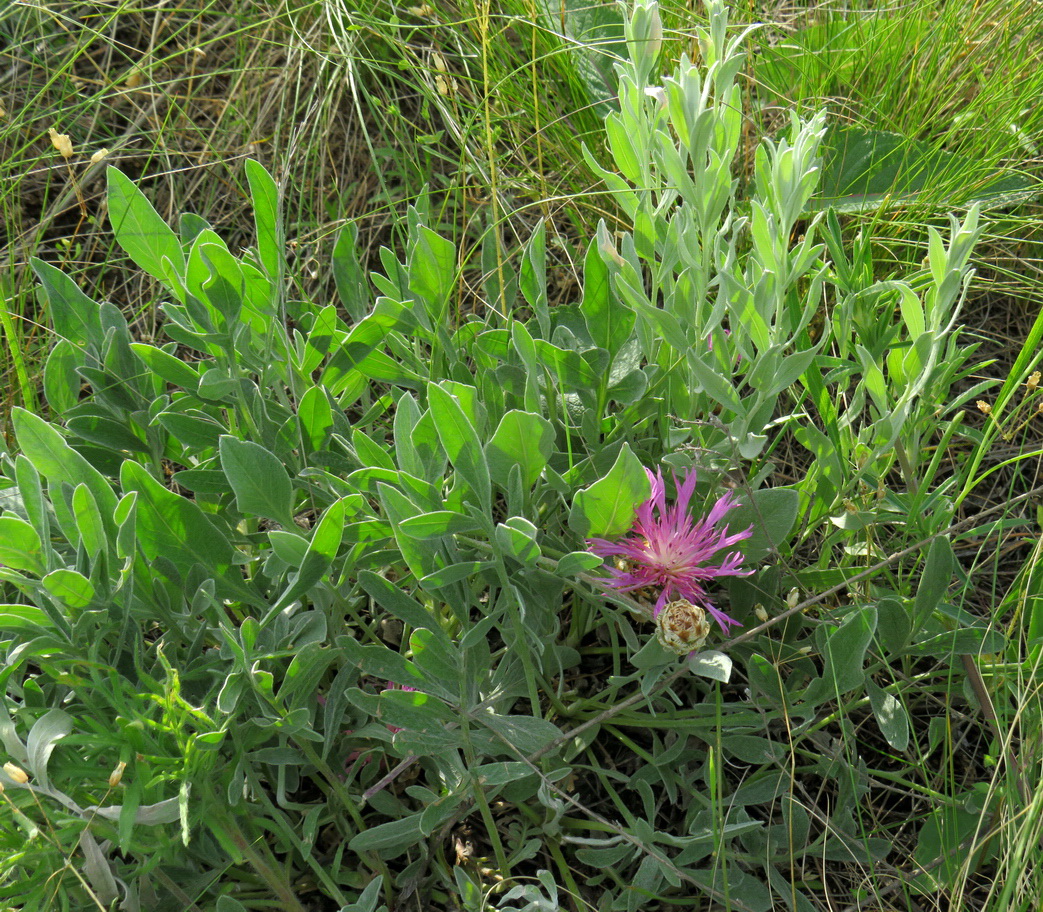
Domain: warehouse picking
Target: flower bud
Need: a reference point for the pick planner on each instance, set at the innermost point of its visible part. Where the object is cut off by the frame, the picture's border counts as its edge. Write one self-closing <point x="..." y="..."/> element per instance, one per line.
<point x="681" y="626"/>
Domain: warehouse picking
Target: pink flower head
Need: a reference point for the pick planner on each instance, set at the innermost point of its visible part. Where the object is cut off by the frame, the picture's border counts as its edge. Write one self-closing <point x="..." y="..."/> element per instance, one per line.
<point x="668" y="549"/>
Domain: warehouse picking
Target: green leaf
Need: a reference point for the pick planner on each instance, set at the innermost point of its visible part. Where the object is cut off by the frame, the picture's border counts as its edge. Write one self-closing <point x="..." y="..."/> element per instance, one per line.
<point x="20" y="546"/>
<point x="325" y="542"/>
<point x="177" y="529"/>
<point x="24" y="620"/>
<point x="264" y="194"/>
<point x="192" y="428"/>
<point x="53" y="458"/>
<point x="61" y="382"/>
<point x="43" y="737"/>
<point x="437" y="524"/>
<point x="890" y="716"/>
<point x="609" y="321"/>
<point x="594" y="40"/>
<point x="75" y="317"/>
<point x="962" y="641"/>
<point x="258" y="478"/>
<point x="165" y="365"/>
<point x="576" y="562"/>
<point x="389" y="839"/>
<point x="352" y="287"/>
<point x="517" y="537"/>
<point x="772" y="515"/>
<point x="316" y="418"/>
<point x="389" y="597"/>
<point x="88" y="521"/>
<point x="140" y="231"/>
<point x="935" y="580"/>
<point x="525" y="734"/>
<point x="843" y="650"/>
<point x="461" y="443"/>
<point x="72" y="589"/>
<point x="869" y="170"/>
<point x="521" y="439"/>
<point x="607" y="508"/>
<point x="432" y="272"/>
<point x="438" y="660"/>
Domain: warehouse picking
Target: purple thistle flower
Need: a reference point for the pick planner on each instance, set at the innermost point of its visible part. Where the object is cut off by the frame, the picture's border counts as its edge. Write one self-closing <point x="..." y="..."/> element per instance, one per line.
<point x="668" y="549"/>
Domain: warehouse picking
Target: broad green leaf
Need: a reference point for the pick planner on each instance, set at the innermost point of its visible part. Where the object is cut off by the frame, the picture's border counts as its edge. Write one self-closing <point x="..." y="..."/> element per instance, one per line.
<point x="264" y="194"/>
<point x="70" y="588"/>
<point x="74" y="316"/>
<point x="437" y="660"/>
<point x="192" y="428"/>
<point x="962" y="641"/>
<point x="352" y="287"/>
<point x="25" y="620"/>
<point x="53" y="458"/>
<point x="517" y="537"/>
<point x="88" y="521"/>
<point x="316" y="418"/>
<point x="90" y="423"/>
<point x="772" y="515"/>
<point x="607" y="508"/>
<point x="140" y="230"/>
<point x="525" y="734"/>
<point x="576" y="562"/>
<point x="461" y="443"/>
<point x="389" y="839"/>
<point x="258" y="478"/>
<point x="167" y="366"/>
<point x="325" y="542"/>
<point x="609" y="321"/>
<point x="20" y="546"/>
<point x="935" y="580"/>
<point x="437" y="524"/>
<point x="594" y="40"/>
<point x="712" y="664"/>
<point x="224" y="285"/>
<point x="869" y="170"/>
<point x="843" y="650"/>
<point x="288" y="546"/>
<point x="521" y="439"/>
<point x="890" y="716"/>
<point x="177" y="529"/>
<point x="61" y="382"/>
<point x="432" y="272"/>
<point x="387" y="596"/>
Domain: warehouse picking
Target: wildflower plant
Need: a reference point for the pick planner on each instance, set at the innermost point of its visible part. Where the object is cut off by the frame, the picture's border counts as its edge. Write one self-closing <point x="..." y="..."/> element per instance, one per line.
<point x="298" y="531"/>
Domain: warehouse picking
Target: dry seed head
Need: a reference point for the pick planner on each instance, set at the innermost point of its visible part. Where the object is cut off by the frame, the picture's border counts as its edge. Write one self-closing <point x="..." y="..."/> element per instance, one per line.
<point x="116" y="776"/>
<point x="681" y="626"/>
<point x="98" y="156"/>
<point x="1033" y="381"/>
<point x="61" y="142"/>
<point x="984" y="407"/>
<point x="17" y="773"/>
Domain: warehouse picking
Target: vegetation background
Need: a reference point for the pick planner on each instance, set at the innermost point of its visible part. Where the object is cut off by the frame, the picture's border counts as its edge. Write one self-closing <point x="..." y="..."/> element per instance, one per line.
<point x="484" y="110"/>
